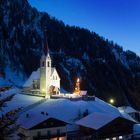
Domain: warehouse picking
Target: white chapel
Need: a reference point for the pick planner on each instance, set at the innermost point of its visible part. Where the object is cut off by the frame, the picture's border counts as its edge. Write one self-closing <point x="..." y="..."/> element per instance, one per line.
<point x="45" y="81"/>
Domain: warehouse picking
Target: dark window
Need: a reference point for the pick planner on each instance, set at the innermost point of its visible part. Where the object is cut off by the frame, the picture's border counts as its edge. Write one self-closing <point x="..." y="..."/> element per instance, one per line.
<point x="45" y="124"/>
<point x="38" y="133"/>
<point x="43" y="63"/>
<point x="35" y="84"/>
<point x="48" y="132"/>
<point x="58" y="131"/>
<point x="51" y="123"/>
<point x="48" y="64"/>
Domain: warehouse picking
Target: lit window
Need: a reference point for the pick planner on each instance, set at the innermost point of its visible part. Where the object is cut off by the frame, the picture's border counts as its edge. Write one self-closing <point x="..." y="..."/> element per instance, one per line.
<point x="120" y="137"/>
<point x="62" y="138"/>
<point x="114" y="138"/>
<point x="107" y="138"/>
<point x="54" y="138"/>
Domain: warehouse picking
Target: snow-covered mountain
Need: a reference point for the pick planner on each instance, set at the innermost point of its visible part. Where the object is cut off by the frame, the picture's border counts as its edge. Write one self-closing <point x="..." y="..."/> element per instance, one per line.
<point x="104" y="68"/>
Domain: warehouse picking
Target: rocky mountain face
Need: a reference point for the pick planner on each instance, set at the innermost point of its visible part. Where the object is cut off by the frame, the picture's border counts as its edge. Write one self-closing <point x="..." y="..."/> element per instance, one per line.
<point x="104" y="68"/>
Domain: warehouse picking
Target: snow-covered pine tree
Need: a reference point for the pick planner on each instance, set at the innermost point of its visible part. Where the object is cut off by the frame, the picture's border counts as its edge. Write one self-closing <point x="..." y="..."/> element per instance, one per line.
<point x="7" y="120"/>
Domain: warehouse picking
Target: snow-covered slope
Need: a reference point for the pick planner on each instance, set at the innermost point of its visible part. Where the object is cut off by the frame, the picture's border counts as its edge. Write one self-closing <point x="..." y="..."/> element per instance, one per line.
<point x="19" y="100"/>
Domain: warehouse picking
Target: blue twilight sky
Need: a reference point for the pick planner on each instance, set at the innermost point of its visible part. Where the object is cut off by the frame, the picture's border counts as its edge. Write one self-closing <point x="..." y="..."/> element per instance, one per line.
<point x="117" y="20"/>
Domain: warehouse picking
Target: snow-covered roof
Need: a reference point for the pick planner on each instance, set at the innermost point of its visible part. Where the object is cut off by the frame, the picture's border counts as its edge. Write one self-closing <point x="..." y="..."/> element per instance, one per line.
<point x="34" y="76"/>
<point x="127" y="109"/>
<point x="97" y="120"/>
<point x="69" y="111"/>
<point x="62" y="109"/>
<point x="100" y="112"/>
<point x="32" y="120"/>
<point x="127" y="116"/>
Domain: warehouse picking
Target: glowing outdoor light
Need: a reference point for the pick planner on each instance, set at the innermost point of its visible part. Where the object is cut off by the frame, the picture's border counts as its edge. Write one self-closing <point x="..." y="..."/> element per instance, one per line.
<point x="111" y="101"/>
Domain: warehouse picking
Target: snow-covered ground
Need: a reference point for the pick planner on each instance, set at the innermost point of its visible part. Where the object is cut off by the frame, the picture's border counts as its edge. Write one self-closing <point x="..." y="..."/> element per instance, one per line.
<point x="19" y="100"/>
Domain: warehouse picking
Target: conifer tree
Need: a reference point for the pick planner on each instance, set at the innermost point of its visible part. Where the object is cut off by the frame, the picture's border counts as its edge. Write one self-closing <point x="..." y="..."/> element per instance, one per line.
<point x="8" y="119"/>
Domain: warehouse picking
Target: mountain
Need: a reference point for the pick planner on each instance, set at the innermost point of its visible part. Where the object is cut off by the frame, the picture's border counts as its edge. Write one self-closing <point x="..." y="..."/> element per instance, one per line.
<point x="104" y="68"/>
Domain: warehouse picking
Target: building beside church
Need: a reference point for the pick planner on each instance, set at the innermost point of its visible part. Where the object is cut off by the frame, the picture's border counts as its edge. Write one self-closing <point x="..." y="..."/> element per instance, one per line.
<point x="45" y="81"/>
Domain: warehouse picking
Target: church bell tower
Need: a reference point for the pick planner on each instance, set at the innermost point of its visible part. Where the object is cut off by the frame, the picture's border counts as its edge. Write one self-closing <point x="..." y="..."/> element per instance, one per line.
<point x="48" y="69"/>
<point x="43" y="75"/>
<point x="45" y="72"/>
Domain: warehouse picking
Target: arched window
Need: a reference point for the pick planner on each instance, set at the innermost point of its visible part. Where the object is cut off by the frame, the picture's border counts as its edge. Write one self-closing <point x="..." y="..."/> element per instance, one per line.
<point x="48" y="64"/>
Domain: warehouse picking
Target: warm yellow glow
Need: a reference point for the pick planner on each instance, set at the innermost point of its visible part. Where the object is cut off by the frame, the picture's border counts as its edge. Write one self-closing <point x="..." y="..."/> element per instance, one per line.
<point x="114" y="138"/>
<point x="111" y="101"/>
<point x="78" y="80"/>
<point x="77" y="87"/>
<point x="60" y="138"/>
<point x="43" y="89"/>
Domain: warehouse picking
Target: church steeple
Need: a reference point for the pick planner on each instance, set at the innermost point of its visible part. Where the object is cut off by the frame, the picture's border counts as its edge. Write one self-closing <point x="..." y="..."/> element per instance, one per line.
<point x="45" y="70"/>
<point x="46" y="59"/>
<point x="46" y="47"/>
<point x="47" y="54"/>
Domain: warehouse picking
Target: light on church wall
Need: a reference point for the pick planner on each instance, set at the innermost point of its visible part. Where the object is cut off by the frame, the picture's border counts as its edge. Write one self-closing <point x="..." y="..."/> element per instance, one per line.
<point x="43" y="89"/>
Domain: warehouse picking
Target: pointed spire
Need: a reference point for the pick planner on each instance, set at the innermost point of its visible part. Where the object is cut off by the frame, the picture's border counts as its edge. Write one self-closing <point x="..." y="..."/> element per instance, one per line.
<point x="46" y="47"/>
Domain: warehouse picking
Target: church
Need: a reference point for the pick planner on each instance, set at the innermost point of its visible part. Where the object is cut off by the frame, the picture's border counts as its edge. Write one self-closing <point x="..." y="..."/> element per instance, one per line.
<point x="45" y="81"/>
